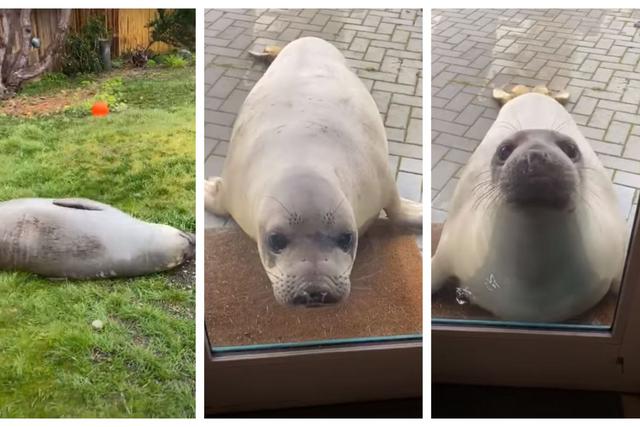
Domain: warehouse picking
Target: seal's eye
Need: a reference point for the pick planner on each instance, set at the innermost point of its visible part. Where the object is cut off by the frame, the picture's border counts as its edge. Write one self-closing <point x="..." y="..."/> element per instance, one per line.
<point x="570" y="149"/>
<point x="277" y="242"/>
<point x="345" y="241"/>
<point x="505" y="150"/>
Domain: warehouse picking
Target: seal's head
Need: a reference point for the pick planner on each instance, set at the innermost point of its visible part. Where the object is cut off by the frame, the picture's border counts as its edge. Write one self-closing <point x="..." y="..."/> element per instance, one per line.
<point x="538" y="168"/>
<point x="307" y="239"/>
<point x="171" y="247"/>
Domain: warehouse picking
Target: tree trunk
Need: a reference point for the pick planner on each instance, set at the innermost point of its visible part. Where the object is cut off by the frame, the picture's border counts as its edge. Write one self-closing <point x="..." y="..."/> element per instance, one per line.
<point x="18" y="70"/>
<point x="4" y="46"/>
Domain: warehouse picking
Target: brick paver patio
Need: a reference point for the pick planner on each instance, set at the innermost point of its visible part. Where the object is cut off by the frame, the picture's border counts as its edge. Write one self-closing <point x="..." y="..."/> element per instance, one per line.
<point x="383" y="46"/>
<point x="594" y="54"/>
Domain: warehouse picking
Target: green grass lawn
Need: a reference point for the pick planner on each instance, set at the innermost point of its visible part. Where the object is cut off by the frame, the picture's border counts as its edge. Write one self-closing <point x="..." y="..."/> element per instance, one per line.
<point x="140" y="159"/>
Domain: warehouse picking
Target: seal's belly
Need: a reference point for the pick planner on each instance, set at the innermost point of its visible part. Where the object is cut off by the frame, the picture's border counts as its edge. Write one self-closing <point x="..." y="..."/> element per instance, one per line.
<point x="45" y="247"/>
<point x="516" y="287"/>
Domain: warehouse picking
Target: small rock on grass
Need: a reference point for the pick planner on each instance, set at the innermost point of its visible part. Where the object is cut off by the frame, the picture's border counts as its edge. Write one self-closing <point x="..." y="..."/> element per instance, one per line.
<point x="97" y="325"/>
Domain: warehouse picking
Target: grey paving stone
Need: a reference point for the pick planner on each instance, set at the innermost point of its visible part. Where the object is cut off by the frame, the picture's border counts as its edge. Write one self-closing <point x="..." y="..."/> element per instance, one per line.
<point x="209" y="145"/>
<point x="606" y="148"/>
<point x="411" y="165"/>
<point x="617" y="132"/>
<point x="218" y="118"/>
<point x="444" y="197"/>
<point x="585" y="105"/>
<point x="221" y="148"/>
<point x="410" y="186"/>
<point x="437" y="153"/>
<point x="601" y="118"/>
<point x="415" y="101"/>
<point x="359" y="44"/>
<point x="213" y="166"/>
<point x="405" y="150"/>
<point x="374" y="54"/>
<point x="223" y="87"/>
<point x="442" y="173"/>
<point x="397" y="116"/>
<point x="458" y="156"/>
<point x="438" y="216"/>
<point x="414" y="132"/>
<point x="395" y="88"/>
<point x="469" y="115"/>
<point x="625" y="199"/>
<point x="216" y="131"/>
<point x="626" y="178"/>
<point x="394" y="134"/>
<point x="618" y="163"/>
<point x="234" y="101"/>
<point x="632" y="148"/>
<point x="382" y="100"/>
<point x="454" y="141"/>
<point x="443" y="126"/>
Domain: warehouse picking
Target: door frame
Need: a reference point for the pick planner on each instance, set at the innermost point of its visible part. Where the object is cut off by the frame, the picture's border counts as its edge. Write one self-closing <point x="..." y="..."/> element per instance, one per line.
<point x="321" y="375"/>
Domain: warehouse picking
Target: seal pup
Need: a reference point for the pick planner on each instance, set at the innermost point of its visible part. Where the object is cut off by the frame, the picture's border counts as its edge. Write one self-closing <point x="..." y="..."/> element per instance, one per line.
<point x="84" y="239"/>
<point x="307" y="172"/>
<point x="534" y="232"/>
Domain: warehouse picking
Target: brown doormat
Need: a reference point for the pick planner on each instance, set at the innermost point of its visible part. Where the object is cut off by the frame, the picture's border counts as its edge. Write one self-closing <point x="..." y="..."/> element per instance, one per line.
<point x="386" y="294"/>
<point x="445" y="306"/>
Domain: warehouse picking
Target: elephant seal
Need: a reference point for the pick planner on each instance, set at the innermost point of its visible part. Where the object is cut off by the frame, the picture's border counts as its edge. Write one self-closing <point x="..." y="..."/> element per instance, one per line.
<point x="534" y="231"/>
<point x="83" y="239"/>
<point x="307" y="172"/>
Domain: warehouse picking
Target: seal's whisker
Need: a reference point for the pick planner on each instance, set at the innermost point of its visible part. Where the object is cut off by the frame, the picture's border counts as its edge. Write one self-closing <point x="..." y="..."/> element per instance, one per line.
<point x="280" y="203"/>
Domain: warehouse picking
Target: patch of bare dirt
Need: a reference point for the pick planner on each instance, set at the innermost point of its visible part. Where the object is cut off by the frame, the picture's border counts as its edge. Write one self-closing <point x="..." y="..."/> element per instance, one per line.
<point x="56" y="102"/>
<point x="184" y="276"/>
<point x="42" y="105"/>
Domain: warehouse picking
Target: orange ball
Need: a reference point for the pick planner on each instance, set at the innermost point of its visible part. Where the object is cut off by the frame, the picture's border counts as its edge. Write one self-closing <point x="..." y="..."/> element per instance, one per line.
<point x="100" y="109"/>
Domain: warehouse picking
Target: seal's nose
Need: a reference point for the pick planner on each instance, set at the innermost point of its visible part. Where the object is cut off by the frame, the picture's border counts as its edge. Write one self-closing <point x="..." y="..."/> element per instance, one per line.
<point x="190" y="251"/>
<point x="536" y="161"/>
<point x="315" y="296"/>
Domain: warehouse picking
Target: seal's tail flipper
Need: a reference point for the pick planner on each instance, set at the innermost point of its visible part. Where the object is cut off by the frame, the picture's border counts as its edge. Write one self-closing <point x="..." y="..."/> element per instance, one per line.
<point x="213" y="196"/>
<point x="406" y="213"/>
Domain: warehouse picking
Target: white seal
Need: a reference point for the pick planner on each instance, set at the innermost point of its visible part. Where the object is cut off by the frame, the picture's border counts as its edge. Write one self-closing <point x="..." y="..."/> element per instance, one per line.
<point x="307" y="172"/>
<point x="534" y="231"/>
<point x="83" y="239"/>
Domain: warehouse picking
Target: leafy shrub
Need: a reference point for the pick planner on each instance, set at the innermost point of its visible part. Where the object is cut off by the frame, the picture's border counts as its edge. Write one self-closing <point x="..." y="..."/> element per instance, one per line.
<point x="117" y="63"/>
<point x="174" y="61"/>
<point x="111" y="91"/>
<point x="176" y="27"/>
<point x="81" y="50"/>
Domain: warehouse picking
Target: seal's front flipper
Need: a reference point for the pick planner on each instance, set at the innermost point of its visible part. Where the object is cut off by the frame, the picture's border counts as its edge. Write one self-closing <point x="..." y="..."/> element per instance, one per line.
<point x="213" y="196"/>
<point x="406" y="213"/>
<point x="438" y="275"/>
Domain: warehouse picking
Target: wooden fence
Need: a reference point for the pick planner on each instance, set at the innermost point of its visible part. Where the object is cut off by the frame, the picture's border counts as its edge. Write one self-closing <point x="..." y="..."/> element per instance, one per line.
<point x="128" y="27"/>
